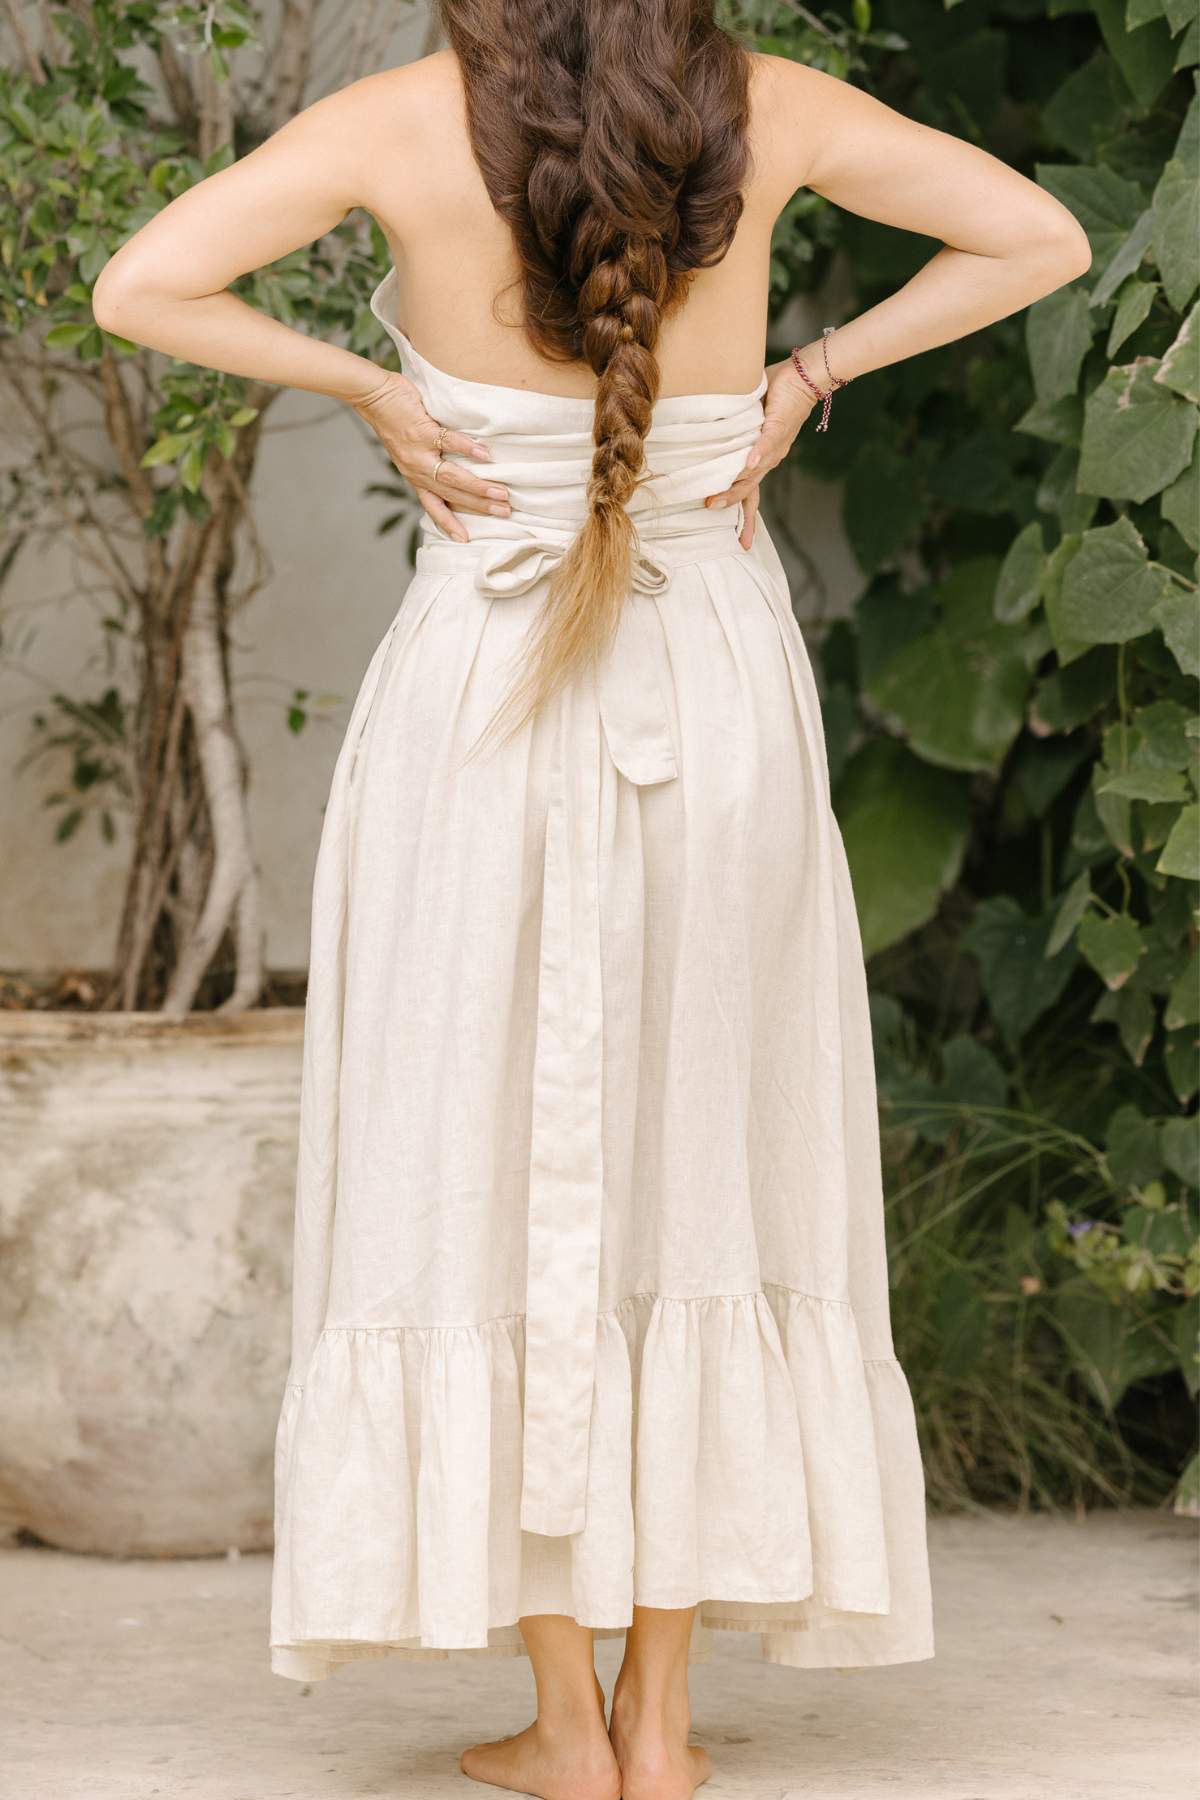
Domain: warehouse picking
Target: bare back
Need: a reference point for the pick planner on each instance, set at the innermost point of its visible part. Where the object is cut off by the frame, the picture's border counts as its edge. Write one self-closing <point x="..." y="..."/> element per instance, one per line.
<point x="459" y="292"/>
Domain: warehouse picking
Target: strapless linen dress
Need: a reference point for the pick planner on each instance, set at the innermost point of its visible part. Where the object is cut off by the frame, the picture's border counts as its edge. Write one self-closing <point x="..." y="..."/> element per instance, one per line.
<point x="590" y="1287"/>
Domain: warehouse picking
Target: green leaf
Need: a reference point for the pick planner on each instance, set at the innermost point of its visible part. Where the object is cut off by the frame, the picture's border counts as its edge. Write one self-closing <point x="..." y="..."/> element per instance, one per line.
<point x="1145" y="784"/>
<point x="1059" y="423"/>
<point x="1188" y="53"/>
<point x="1113" y="946"/>
<point x="1180" y="504"/>
<point x="1057" y="493"/>
<point x="167" y="449"/>
<point x="1181" y="853"/>
<point x="1135" y="1023"/>
<point x="971" y="1076"/>
<point x="958" y="691"/>
<point x="1181" y="1058"/>
<point x="1107" y="1351"/>
<point x="883" y="503"/>
<point x="1090" y="108"/>
<point x="904" y="825"/>
<point x="1070" y="696"/>
<point x="1071" y="909"/>
<point x="1180" y="366"/>
<point x="1175" y="615"/>
<point x="1115" y="814"/>
<point x="1018" y="585"/>
<point x="1021" y="982"/>
<point x="1136" y="299"/>
<point x="1125" y="260"/>
<point x="1181" y="1150"/>
<point x="1185" y="1333"/>
<point x="1174" y="208"/>
<point x="1043" y="769"/>
<point x="961" y="1324"/>
<point x="191" y="467"/>
<point x="66" y="337"/>
<point x="1109" y="591"/>
<point x="1145" y="57"/>
<point x="1132" y="1148"/>
<point x="1136" y="437"/>
<point x="243" y="416"/>
<point x="1159" y="736"/>
<point x="1058" y="335"/>
<point x="1183" y="996"/>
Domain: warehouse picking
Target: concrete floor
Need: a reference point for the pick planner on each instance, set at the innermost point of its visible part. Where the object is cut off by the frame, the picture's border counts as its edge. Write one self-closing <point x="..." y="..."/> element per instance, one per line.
<point x="1065" y="1671"/>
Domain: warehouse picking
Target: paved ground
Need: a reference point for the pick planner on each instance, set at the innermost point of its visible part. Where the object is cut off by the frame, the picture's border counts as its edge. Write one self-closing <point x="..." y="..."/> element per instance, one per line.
<point x="1064" y="1672"/>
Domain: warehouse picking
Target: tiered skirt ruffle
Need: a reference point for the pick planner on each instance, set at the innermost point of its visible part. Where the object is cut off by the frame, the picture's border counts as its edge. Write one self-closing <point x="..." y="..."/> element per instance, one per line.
<point x="744" y="1457"/>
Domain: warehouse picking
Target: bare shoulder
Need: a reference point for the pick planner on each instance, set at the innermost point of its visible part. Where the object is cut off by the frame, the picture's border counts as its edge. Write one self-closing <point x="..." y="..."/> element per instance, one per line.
<point x="389" y="109"/>
<point x="793" y="108"/>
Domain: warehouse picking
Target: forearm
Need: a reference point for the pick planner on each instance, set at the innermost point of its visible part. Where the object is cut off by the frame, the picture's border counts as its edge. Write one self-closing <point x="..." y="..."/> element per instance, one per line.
<point x="220" y="331"/>
<point x="955" y="293"/>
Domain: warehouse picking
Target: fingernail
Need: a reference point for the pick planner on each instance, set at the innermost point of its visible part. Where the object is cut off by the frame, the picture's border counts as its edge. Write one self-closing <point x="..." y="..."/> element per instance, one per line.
<point x="501" y="512"/>
<point x="481" y="451"/>
<point x="497" y="493"/>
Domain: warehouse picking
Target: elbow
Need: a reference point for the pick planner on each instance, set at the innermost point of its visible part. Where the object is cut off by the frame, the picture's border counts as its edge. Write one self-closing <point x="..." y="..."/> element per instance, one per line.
<point x="1076" y="253"/>
<point x="1063" y="245"/>
<point x="115" y="297"/>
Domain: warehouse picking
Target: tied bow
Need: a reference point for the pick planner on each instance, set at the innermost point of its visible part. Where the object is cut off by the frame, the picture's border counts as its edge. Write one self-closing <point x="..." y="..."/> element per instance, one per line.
<point x="513" y="568"/>
<point x="629" y="687"/>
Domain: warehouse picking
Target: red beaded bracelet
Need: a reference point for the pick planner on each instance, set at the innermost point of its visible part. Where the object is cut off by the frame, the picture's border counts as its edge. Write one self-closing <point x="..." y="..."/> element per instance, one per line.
<point x="825" y="394"/>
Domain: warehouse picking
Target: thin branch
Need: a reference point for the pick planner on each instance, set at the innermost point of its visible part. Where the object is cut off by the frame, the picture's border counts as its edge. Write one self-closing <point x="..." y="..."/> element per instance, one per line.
<point x="293" y="55"/>
<point x="30" y="57"/>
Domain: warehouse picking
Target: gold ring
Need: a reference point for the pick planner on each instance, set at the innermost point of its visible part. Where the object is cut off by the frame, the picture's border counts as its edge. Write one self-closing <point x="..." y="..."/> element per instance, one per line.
<point x="441" y="439"/>
<point x="437" y="465"/>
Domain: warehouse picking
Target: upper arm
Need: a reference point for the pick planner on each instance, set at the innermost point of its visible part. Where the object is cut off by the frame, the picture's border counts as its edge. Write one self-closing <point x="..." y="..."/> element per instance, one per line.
<point x="286" y="193"/>
<point x="872" y="160"/>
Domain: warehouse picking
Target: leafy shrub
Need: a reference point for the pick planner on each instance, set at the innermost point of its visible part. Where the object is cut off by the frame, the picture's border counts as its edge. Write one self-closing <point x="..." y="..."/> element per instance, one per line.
<point x="1011" y="712"/>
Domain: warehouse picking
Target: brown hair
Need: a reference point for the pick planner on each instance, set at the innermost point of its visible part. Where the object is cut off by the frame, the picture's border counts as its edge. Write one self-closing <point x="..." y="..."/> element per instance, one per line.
<point x="612" y="136"/>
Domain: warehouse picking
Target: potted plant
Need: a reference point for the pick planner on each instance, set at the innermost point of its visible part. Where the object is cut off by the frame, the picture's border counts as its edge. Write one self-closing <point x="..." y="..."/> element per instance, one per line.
<point x="148" y="1113"/>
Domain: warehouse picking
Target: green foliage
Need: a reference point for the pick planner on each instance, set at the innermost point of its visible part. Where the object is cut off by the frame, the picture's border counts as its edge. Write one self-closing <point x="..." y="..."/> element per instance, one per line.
<point x="86" y="158"/>
<point x="1012" y="715"/>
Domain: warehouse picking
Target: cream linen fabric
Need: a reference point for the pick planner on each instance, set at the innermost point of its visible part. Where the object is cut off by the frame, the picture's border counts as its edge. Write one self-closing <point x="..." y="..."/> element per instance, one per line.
<point x="590" y="1288"/>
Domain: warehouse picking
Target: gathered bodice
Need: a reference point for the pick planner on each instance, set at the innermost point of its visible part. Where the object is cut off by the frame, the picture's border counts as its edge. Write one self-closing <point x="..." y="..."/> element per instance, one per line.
<point x="542" y="446"/>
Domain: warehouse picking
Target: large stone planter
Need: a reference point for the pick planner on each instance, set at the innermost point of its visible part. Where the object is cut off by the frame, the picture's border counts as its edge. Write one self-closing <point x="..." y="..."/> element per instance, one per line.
<point x="146" y="1189"/>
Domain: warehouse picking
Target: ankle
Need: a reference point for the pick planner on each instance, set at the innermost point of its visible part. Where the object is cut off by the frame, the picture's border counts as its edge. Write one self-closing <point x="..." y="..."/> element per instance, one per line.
<point x="571" y="1717"/>
<point x="662" y="1707"/>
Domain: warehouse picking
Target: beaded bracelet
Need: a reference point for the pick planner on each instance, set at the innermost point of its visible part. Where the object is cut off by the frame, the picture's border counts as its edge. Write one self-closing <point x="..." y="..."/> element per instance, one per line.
<point x="824" y="394"/>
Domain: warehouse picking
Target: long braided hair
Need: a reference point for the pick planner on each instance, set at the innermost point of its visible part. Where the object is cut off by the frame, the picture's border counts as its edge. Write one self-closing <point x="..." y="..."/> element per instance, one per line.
<point x="612" y="136"/>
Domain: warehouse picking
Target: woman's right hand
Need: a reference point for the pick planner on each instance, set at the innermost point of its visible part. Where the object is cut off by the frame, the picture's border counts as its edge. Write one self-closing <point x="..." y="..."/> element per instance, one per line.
<point x="396" y="414"/>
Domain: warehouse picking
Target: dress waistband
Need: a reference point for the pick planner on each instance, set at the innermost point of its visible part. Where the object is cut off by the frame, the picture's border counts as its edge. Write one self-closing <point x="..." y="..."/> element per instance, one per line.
<point x="510" y="561"/>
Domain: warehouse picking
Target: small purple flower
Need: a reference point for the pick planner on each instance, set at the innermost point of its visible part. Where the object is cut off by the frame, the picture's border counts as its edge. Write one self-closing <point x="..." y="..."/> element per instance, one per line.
<point x="1080" y="1228"/>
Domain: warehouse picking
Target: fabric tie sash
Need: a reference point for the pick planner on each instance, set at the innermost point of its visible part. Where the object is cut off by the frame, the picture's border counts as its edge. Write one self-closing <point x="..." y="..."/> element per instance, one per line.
<point x="626" y="699"/>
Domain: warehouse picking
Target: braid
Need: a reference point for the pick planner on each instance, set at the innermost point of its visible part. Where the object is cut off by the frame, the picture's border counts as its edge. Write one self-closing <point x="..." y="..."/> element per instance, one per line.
<point x="612" y="137"/>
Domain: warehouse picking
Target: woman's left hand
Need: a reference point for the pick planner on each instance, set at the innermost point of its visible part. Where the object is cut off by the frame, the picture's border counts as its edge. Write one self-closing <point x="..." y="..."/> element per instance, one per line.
<point x="786" y="405"/>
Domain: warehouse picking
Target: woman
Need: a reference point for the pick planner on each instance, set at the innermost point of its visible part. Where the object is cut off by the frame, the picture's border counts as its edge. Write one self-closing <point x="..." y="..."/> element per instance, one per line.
<point x="591" y="1319"/>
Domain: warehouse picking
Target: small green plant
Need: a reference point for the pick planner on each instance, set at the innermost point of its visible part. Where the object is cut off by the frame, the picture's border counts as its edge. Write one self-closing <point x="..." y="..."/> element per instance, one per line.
<point x="108" y="111"/>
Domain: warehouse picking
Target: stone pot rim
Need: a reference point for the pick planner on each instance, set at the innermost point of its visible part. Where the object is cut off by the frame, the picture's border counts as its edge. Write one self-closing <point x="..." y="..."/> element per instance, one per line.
<point x="67" y="1026"/>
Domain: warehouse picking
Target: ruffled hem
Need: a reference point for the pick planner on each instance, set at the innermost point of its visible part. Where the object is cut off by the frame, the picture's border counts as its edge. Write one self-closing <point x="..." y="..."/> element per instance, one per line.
<point x="744" y="1458"/>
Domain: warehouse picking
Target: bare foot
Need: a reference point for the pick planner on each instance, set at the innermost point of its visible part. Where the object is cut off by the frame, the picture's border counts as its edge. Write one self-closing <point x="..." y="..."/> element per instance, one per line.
<point x="654" y="1756"/>
<point x="572" y="1761"/>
